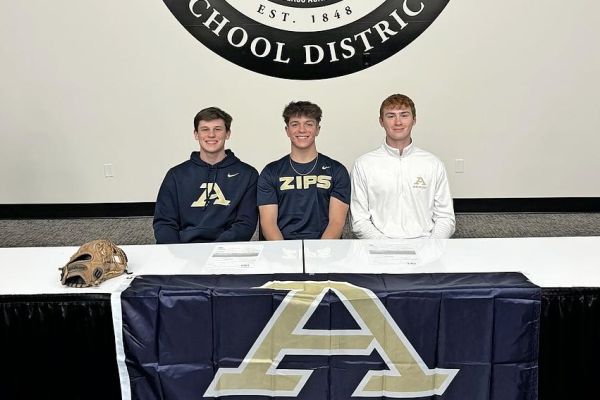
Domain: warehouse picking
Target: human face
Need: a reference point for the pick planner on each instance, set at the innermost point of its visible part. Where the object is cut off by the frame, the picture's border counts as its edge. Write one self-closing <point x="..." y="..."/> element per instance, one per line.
<point x="398" y="124"/>
<point x="302" y="132"/>
<point x="212" y="136"/>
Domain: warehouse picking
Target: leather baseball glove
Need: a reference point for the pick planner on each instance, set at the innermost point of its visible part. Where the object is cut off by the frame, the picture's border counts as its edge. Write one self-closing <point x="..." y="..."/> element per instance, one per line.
<point x="93" y="263"/>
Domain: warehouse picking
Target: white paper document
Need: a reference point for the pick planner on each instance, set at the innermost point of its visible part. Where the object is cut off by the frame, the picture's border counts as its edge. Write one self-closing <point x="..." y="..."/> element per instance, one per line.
<point x="392" y="254"/>
<point x="235" y="256"/>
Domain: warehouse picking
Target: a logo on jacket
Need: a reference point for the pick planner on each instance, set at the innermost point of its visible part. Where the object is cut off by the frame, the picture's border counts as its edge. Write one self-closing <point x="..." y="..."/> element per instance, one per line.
<point x="306" y="39"/>
<point x="211" y="191"/>
<point x="406" y="376"/>
<point x="420" y="183"/>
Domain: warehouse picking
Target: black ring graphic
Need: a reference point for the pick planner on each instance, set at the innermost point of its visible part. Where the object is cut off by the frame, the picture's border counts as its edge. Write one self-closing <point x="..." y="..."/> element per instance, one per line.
<point x="306" y="55"/>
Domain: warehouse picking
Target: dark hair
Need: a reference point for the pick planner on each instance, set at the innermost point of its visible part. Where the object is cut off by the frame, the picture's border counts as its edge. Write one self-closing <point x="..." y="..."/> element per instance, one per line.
<point x="210" y="114"/>
<point x="396" y="101"/>
<point x="302" y="109"/>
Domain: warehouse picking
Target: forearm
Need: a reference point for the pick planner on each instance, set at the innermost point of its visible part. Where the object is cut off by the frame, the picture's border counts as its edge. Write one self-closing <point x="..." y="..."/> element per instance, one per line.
<point x="364" y="229"/>
<point x="334" y="230"/>
<point x="444" y="221"/>
<point x="165" y="234"/>
<point x="338" y="210"/>
<point x="268" y="222"/>
<point x="443" y="228"/>
<point x="271" y="231"/>
<point x="244" y="225"/>
<point x="360" y="213"/>
<point x="166" y="213"/>
<point x="238" y="232"/>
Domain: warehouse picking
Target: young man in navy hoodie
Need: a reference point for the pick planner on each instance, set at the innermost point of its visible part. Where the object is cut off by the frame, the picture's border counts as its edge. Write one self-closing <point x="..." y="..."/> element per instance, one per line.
<point x="212" y="196"/>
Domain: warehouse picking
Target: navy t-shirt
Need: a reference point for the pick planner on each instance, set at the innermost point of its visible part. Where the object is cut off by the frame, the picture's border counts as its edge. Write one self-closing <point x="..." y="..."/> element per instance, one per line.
<point x="303" y="194"/>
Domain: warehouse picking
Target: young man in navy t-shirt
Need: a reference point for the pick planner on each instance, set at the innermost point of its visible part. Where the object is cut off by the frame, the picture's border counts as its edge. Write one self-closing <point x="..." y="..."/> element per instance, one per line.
<point x="304" y="195"/>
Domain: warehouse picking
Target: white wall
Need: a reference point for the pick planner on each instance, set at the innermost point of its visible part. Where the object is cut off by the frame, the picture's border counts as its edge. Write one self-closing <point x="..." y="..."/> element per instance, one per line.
<point x="509" y="86"/>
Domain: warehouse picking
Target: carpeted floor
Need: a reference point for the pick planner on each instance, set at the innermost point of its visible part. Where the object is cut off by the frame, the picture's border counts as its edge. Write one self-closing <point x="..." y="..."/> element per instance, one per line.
<point x="138" y="230"/>
<point x="506" y="225"/>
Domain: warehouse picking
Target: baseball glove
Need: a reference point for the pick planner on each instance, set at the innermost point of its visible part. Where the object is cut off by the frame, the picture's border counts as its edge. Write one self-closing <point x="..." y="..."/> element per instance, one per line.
<point x="93" y="263"/>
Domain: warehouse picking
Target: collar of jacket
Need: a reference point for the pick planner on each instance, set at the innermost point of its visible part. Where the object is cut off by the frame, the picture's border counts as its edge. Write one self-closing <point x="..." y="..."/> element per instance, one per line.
<point x="408" y="150"/>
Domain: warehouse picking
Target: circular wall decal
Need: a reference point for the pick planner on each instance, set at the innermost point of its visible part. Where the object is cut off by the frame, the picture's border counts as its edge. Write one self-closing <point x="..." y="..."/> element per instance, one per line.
<point x="306" y="39"/>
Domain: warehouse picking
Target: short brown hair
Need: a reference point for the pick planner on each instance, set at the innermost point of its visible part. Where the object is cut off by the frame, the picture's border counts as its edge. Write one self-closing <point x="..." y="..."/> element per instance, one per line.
<point x="396" y="101"/>
<point x="210" y="114"/>
<point x="302" y="109"/>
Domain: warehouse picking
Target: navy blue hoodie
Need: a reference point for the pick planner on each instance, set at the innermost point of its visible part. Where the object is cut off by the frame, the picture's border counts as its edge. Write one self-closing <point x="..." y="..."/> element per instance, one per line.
<point x="199" y="202"/>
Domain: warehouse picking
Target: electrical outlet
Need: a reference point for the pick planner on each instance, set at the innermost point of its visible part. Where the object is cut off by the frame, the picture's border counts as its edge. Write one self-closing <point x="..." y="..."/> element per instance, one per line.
<point x="459" y="165"/>
<point x="108" y="171"/>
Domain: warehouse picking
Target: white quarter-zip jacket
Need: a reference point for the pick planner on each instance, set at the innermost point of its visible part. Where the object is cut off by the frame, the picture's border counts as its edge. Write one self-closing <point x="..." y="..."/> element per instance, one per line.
<point x="401" y="195"/>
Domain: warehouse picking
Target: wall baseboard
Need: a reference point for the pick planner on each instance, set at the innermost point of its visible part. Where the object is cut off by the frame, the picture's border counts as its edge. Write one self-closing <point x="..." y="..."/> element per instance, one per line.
<point x="529" y="205"/>
<point x="80" y="210"/>
<point x="115" y="210"/>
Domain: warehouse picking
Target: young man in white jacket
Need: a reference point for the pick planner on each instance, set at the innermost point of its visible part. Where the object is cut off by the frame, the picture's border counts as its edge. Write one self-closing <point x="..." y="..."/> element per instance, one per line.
<point x="399" y="190"/>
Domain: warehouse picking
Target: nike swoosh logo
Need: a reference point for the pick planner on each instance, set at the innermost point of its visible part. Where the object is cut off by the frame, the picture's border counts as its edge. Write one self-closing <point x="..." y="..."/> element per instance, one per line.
<point x="326" y="166"/>
<point x="232" y="175"/>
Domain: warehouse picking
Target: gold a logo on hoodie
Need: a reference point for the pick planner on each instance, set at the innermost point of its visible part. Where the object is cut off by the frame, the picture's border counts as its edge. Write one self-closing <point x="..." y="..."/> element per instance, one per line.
<point x="211" y="191"/>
